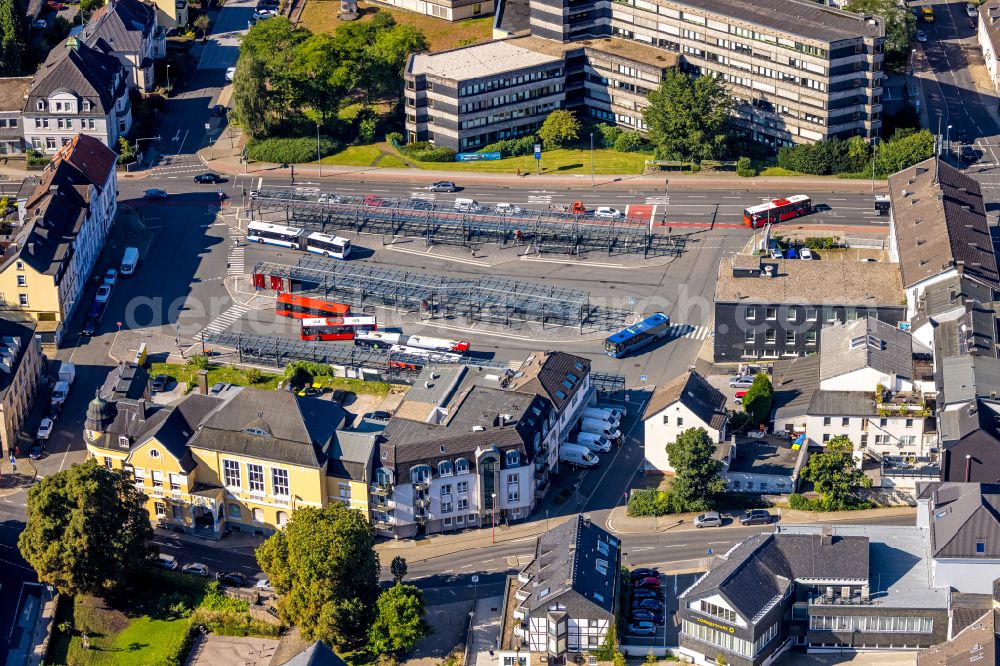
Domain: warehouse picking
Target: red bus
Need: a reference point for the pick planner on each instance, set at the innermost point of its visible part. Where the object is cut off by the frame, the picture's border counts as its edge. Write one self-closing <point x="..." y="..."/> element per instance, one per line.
<point x="335" y="328"/>
<point x="777" y="210"/>
<point x="302" y="307"/>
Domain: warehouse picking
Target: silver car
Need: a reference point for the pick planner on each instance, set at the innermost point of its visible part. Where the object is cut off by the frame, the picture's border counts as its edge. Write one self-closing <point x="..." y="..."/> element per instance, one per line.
<point x="442" y="186"/>
<point x="708" y="519"/>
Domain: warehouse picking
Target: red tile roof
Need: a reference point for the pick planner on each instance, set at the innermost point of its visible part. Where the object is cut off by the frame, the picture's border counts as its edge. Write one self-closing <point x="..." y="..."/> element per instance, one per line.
<point x="90" y="157"/>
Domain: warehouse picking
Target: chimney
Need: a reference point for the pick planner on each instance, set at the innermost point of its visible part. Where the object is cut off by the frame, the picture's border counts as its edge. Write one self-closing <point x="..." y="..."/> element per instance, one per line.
<point x="203" y="381"/>
<point x="968" y="467"/>
<point x="865" y="593"/>
<point x="73" y="44"/>
<point x="827" y="537"/>
<point x="586" y="520"/>
<point x="31" y="248"/>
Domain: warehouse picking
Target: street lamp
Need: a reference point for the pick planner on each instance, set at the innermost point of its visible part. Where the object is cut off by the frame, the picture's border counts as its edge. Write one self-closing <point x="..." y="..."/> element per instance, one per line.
<point x="948" y="151"/>
<point x="592" y="159"/>
<point x="318" y="163"/>
<point x="493" y="519"/>
<point x="168" y="79"/>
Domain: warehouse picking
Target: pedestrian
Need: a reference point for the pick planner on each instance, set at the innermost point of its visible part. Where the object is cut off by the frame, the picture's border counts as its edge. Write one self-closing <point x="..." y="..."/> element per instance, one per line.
<point x="519" y="172"/>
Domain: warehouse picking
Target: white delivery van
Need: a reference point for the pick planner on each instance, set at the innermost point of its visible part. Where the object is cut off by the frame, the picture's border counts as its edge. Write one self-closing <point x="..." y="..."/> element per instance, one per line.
<point x="60" y="392"/>
<point x="600" y="428"/>
<point x="593" y="442"/>
<point x="577" y="455"/>
<point x="600" y="415"/>
<point x="129" y="261"/>
<point x="467" y="205"/>
<point x="67" y="373"/>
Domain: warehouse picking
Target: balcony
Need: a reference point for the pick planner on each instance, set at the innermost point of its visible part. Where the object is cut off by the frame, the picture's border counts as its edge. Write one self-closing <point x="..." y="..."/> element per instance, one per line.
<point x="381" y="489"/>
<point x="383" y="524"/>
<point x="522" y="595"/>
<point x="520" y="613"/>
<point x="421" y="484"/>
<point x="382" y="504"/>
<point x="422" y="502"/>
<point x="420" y="519"/>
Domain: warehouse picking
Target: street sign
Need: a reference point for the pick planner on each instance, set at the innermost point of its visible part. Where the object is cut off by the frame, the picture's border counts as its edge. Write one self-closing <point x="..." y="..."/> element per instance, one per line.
<point x="538" y="151"/>
<point x="642" y="378"/>
<point x="631" y="301"/>
<point x="475" y="579"/>
<point x="476" y="157"/>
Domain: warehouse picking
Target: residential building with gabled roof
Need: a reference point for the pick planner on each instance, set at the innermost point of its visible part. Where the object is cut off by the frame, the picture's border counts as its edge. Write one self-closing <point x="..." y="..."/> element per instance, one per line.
<point x="688" y="401"/>
<point x="130" y="31"/>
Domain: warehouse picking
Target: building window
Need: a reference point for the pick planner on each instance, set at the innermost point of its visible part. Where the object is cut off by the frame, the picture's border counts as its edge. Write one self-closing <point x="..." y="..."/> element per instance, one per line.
<point x="177" y="512"/>
<point x="826" y="438"/>
<point x="344" y="490"/>
<point x="513" y="458"/>
<point x="789" y="337"/>
<point x="255" y="477"/>
<point x="810" y="337"/>
<point x="279" y="479"/>
<point x="282" y="518"/>
<point x="726" y="614"/>
<point x="139" y="474"/>
<point x="258" y="515"/>
<point x="445" y="468"/>
<point x="791" y="315"/>
<point x="980" y="548"/>
<point x="463" y="486"/>
<point x="234" y="511"/>
<point x="680" y="421"/>
<point x="826" y="420"/>
<point x="175" y="481"/>
<point x="231" y="473"/>
<point x="161" y="509"/>
<point x="751" y="313"/>
<point x="845" y="422"/>
<point x="770" y="336"/>
<point x="772" y="313"/>
<point x="461" y="466"/>
<point x="23" y="300"/>
<point x="666" y="419"/>
<point x="463" y="504"/>
<point x="19" y="265"/>
<point x="107" y="462"/>
<point x="513" y="488"/>
<point x="875" y="624"/>
<point x="909" y="423"/>
<point x="157" y="478"/>
<point x="749" y="337"/>
<point x="22" y="281"/>
<point x="445" y="490"/>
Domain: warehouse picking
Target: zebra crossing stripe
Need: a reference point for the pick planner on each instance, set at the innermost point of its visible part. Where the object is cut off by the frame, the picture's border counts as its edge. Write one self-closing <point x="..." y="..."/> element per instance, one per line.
<point x="688" y="331"/>
<point x="226" y="319"/>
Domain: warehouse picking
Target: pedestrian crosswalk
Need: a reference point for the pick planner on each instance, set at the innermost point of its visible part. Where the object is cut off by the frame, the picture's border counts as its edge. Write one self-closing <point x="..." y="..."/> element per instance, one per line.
<point x="539" y="199"/>
<point x="689" y="331"/>
<point x="661" y="200"/>
<point x="226" y="319"/>
<point x="237" y="253"/>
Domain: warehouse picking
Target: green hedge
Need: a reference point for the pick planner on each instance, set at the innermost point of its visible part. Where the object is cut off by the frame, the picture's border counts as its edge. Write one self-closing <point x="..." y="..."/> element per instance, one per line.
<point x="512" y="147"/>
<point x="282" y="150"/>
<point x="423" y="151"/>
<point x="651" y="502"/>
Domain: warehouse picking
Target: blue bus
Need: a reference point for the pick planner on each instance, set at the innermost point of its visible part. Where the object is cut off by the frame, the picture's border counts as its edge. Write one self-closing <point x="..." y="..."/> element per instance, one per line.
<point x="629" y="339"/>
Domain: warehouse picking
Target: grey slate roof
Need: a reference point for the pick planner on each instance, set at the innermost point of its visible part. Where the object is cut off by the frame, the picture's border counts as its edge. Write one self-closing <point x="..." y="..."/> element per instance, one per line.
<point x="954" y="424"/>
<point x="841" y="403"/>
<point x="317" y="654"/>
<point x="803" y="19"/>
<point x="954" y="292"/>
<point x="694" y="392"/>
<point x="23" y="330"/>
<point x="965" y="377"/>
<point x="121" y="26"/>
<point x="178" y="425"/>
<point x="795" y="381"/>
<point x="83" y="70"/>
<point x="549" y="373"/>
<point x="962" y="515"/>
<point x="273" y="425"/>
<point x="761" y="568"/>
<point x="975" y="644"/>
<point x="566" y="568"/>
<point x="126" y="380"/>
<point x="865" y="343"/>
<point x="940" y="223"/>
<point x="351" y="452"/>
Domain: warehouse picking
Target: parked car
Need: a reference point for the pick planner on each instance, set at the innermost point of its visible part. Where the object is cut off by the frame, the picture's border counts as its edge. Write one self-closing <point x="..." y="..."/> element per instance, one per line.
<point x="218" y="111"/>
<point x="776" y="253"/>
<point x="646" y="615"/>
<point x="508" y="209"/>
<point x="417" y="203"/>
<point x="155" y="193"/>
<point x="159" y="383"/>
<point x="91" y="324"/>
<point x="45" y="428"/>
<point x="739" y="397"/>
<point x="231" y="578"/>
<point x="55" y="6"/>
<point x="609" y="213"/>
<point x="164" y="561"/>
<point x="373" y="200"/>
<point x="744" y="381"/>
<point x="39" y="24"/>
<point x="37" y="451"/>
<point x="328" y="197"/>
<point x="217" y="388"/>
<point x="111" y="276"/>
<point x="231" y="71"/>
<point x="790" y="253"/>
<point x="644" y="573"/>
<point x="805" y="253"/>
<point x="264" y="585"/>
<point x="210" y="178"/>
<point x="441" y="186"/>
<point x="262" y="13"/>
<point x="378" y="416"/>
<point x="196" y="568"/>
<point x="648" y="604"/>
<point x="648" y="582"/>
<point x="645" y="593"/>
<point x="971" y="10"/>
<point x="921" y="36"/>
<point x="642" y="629"/>
<point x="708" y="519"/>
<point x="755" y="517"/>
<point x="103" y="293"/>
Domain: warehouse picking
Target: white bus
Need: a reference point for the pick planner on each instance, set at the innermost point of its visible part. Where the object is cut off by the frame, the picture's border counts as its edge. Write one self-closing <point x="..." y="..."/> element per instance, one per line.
<point x="275" y="234"/>
<point x="425" y="354"/>
<point x="334" y="247"/>
<point x="384" y="340"/>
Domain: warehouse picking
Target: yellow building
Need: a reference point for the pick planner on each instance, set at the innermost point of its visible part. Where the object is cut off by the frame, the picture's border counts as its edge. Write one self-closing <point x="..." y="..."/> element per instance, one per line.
<point x="241" y="461"/>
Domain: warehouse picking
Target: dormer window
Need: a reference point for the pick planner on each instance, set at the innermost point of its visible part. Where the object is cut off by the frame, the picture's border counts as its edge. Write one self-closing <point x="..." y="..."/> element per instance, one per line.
<point x="445" y="468"/>
<point x="40" y="105"/>
<point x="513" y="458"/>
<point x="461" y="466"/>
<point x="123" y="441"/>
<point x="86" y="105"/>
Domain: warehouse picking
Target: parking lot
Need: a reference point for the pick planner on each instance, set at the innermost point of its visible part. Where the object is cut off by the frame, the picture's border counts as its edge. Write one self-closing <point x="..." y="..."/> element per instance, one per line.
<point x="671" y="585"/>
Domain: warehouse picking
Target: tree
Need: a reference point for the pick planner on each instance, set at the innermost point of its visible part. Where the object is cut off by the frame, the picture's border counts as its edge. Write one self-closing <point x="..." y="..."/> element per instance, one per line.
<point x="399" y="621"/>
<point x="900" y="27"/>
<point x="757" y="401"/>
<point x="324" y="566"/>
<point x="834" y="474"/>
<point x="696" y="480"/>
<point x="250" y="96"/>
<point x="87" y="530"/>
<point x="126" y="151"/>
<point x="88" y="6"/>
<point x="560" y="127"/>
<point x="201" y="23"/>
<point x="398" y="568"/>
<point x="13" y="29"/>
<point x="687" y="116"/>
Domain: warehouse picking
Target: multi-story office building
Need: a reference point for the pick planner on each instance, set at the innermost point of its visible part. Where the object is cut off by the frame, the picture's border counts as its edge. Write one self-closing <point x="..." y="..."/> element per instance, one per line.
<point x="468" y="97"/>
<point x="768" y="308"/>
<point x="800" y="72"/>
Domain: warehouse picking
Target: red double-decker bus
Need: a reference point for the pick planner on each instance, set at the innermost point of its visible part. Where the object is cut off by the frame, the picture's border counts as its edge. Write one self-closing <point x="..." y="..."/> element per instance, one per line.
<point x="336" y="328"/>
<point x="303" y="307"/>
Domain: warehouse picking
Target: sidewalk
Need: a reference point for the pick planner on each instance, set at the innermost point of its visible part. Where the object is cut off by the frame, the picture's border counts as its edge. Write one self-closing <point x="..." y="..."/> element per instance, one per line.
<point x="620" y="523"/>
<point x="227" y="161"/>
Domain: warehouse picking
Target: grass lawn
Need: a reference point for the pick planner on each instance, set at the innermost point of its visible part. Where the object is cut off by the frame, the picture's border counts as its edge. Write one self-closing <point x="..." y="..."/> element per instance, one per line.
<point x="779" y="171"/>
<point x="216" y="373"/>
<point x="572" y="161"/>
<point x="392" y="162"/>
<point x="321" y="16"/>
<point x="354" y="156"/>
<point x="145" y="633"/>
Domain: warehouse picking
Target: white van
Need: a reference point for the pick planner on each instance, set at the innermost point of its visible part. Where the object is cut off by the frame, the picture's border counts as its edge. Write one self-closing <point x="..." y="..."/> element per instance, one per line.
<point x="164" y="561"/>
<point x="60" y="392"/>
<point x="600" y="415"/>
<point x="593" y="442"/>
<point x="467" y="205"/>
<point x="577" y="455"/>
<point x="129" y="261"/>
<point x="616" y="413"/>
<point x="600" y="428"/>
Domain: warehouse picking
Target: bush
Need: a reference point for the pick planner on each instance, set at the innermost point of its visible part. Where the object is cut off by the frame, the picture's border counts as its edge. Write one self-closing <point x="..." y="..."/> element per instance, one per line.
<point x="198" y="362"/>
<point x="36" y="158"/>
<point x="290" y="150"/>
<point x="629" y="142"/>
<point x="253" y="375"/>
<point x="819" y="242"/>
<point x="744" y="168"/>
<point x="609" y="134"/>
<point x="512" y="147"/>
<point x="423" y="151"/>
<point x="652" y="502"/>
<point x="395" y="138"/>
<point x="801" y="502"/>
